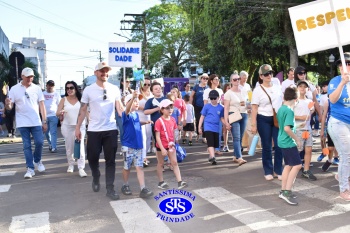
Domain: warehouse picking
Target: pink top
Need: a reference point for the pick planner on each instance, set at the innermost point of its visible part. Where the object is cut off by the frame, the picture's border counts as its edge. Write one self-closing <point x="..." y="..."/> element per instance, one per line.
<point x="181" y="105"/>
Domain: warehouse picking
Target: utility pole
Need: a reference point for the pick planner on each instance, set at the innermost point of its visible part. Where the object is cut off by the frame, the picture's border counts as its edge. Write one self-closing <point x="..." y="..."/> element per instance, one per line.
<point x="97" y="51"/>
<point x="143" y="28"/>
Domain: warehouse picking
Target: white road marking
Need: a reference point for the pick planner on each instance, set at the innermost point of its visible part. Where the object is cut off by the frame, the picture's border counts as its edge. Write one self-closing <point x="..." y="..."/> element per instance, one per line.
<point x="251" y="215"/>
<point x="136" y="216"/>
<point x="4" y="188"/>
<point x="31" y="223"/>
<point x="9" y="173"/>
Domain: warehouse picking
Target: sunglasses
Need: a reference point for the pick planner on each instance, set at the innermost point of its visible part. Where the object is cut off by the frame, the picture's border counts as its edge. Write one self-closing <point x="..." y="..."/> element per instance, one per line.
<point x="213" y="98"/>
<point x="146" y="84"/>
<point x="267" y="74"/>
<point x="169" y="107"/>
<point x="205" y="78"/>
<point x="236" y="79"/>
<point x="26" y="94"/>
<point x="70" y="88"/>
<point x="104" y="94"/>
<point x="301" y="73"/>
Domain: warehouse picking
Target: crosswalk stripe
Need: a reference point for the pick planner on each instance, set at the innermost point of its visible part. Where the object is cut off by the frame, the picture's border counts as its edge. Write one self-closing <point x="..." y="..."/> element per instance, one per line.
<point x="9" y="173"/>
<point x="253" y="216"/>
<point x="136" y="216"/>
<point x="4" y="188"/>
<point x="31" y="223"/>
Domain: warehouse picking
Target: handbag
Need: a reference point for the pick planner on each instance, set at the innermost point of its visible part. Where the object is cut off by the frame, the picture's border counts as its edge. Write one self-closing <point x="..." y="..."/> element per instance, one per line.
<point x="180" y="151"/>
<point x="234" y="116"/>
<point x="275" y="121"/>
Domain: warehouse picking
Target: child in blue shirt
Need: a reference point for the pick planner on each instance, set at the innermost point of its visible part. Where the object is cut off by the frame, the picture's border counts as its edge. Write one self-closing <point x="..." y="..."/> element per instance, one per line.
<point x="132" y="145"/>
<point x="211" y="115"/>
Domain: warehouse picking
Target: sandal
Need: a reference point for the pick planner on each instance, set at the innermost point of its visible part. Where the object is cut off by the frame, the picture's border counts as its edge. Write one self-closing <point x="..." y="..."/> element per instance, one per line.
<point x="217" y="152"/>
<point x="241" y="161"/>
<point x="170" y="166"/>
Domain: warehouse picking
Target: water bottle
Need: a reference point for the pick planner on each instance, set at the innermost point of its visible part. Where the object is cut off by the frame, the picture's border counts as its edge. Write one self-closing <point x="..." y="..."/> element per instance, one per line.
<point x="253" y="145"/>
<point x="77" y="149"/>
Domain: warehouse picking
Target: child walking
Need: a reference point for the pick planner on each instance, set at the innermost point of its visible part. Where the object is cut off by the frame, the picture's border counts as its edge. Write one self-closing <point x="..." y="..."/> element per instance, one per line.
<point x="165" y="144"/>
<point x="132" y="145"/>
<point x="211" y="115"/>
<point x="288" y="142"/>
<point x="189" y="127"/>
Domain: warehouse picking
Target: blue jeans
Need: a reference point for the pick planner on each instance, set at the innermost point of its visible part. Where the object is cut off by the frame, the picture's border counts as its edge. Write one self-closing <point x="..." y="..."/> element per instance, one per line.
<point x="237" y="131"/>
<point x="269" y="132"/>
<point x="38" y="136"/>
<point x="51" y="133"/>
<point x="340" y="134"/>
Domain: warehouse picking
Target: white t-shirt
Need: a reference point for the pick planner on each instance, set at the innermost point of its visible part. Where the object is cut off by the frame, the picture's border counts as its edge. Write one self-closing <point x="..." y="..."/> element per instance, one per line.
<point x="302" y="109"/>
<point x="71" y="113"/>
<point x="275" y="81"/>
<point x="323" y="99"/>
<point x="311" y="90"/>
<point x="246" y="87"/>
<point x="190" y="113"/>
<point x="142" y="103"/>
<point x="206" y="93"/>
<point x="27" y="109"/>
<point x="235" y="99"/>
<point x="51" y="103"/>
<point x="102" y="112"/>
<point x="261" y="99"/>
<point x="287" y="83"/>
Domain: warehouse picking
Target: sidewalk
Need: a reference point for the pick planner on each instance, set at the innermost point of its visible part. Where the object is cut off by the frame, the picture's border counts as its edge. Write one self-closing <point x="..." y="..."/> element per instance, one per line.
<point x="5" y="140"/>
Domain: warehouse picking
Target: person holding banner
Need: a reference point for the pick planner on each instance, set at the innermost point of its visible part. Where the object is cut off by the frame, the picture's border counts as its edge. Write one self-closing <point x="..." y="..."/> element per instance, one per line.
<point x="267" y="98"/>
<point x="339" y="122"/>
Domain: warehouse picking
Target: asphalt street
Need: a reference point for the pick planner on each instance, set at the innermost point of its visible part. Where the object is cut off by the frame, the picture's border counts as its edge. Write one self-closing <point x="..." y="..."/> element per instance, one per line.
<point x="223" y="198"/>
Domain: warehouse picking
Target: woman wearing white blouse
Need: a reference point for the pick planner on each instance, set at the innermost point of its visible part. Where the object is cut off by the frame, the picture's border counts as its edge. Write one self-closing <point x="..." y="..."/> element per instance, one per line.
<point x="262" y="121"/>
<point x="67" y="111"/>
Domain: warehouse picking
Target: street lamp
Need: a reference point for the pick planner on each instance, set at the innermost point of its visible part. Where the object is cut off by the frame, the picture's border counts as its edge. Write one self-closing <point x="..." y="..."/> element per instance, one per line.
<point x="83" y="74"/>
<point x="331" y="60"/>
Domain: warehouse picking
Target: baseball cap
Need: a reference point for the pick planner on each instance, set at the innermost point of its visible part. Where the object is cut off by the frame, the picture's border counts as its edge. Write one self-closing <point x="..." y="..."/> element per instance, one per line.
<point x="213" y="94"/>
<point x="265" y="69"/>
<point x="302" y="82"/>
<point x="165" y="103"/>
<point x="27" y="72"/>
<point x="346" y="57"/>
<point x="50" y="83"/>
<point x="102" y="65"/>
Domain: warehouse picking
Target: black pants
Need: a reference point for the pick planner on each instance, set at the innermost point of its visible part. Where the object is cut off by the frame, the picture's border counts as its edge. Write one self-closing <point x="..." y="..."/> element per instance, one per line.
<point x="197" y="114"/>
<point x="108" y="140"/>
<point x="9" y="121"/>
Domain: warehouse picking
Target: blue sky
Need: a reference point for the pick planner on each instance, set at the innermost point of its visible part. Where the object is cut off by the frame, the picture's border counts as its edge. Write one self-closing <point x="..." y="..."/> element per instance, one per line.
<point x="70" y="28"/>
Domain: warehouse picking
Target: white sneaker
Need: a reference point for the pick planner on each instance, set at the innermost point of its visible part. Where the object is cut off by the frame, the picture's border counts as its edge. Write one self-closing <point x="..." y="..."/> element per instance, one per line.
<point x="39" y="166"/>
<point x="29" y="174"/>
<point x="82" y="173"/>
<point x="70" y="169"/>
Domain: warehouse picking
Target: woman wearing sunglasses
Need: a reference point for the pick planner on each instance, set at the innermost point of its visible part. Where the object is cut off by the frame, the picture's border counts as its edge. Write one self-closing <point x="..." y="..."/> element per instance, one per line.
<point x="67" y="111"/>
<point x="267" y="97"/>
<point x="145" y="94"/>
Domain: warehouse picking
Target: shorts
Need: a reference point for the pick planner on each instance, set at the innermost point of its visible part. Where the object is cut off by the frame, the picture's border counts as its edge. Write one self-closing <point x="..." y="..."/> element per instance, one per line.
<point x="291" y="156"/>
<point x="330" y="141"/>
<point x="189" y="127"/>
<point x="132" y="156"/>
<point x="177" y="134"/>
<point x="158" y="149"/>
<point x="304" y="142"/>
<point x="212" y="139"/>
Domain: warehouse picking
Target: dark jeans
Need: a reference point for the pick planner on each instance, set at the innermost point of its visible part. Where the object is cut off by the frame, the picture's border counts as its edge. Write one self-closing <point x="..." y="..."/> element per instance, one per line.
<point x="10" y="121"/>
<point x="315" y="121"/>
<point x="108" y="141"/>
<point x="269" y="132"/>
<point x="197" y="114"/>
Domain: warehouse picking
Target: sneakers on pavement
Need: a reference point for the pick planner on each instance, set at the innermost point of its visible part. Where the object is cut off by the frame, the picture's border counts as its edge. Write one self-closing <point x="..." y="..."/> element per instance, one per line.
<point x="268" y="177"/>
<point x="112" y="194"/>
<point x="336" y="161"/>
<point x="82" y="173"/>
<point x="39" y="166"/>
<point x="54" y="150"/>
<point x="190" y="143"/>
<point x="308" y="175"/>
<point x="145" y="192"/>
<point x="50" y="148"/>
<point x="182" y="184"/>
<point x="212" y="161"/>
<point x="70" y="169"/>
<point x="319" y="158"/>
<point x="293" y="195"/>
<point x="326" y="166"/>
<point x="126" y="190"/>
<point x="287" y="196"/>
<point x="225" y="149"/>
<point x="184" y="141"/>
<point x="29" y="174"/>
<point x="345" y="195"/>
<point x="163" y="185"/>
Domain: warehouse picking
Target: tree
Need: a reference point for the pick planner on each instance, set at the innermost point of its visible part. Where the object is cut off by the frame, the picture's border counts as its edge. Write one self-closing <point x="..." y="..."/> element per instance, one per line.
<point x="167" y="28"/>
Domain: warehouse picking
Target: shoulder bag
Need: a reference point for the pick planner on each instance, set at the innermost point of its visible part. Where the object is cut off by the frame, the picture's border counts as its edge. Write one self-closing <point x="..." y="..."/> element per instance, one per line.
<point x="275" y="121"/>
<point x="234" y="116"/>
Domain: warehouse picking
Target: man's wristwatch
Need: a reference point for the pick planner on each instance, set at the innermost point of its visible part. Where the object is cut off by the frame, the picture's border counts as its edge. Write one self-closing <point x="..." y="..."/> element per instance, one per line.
<point x="44" y="122"/>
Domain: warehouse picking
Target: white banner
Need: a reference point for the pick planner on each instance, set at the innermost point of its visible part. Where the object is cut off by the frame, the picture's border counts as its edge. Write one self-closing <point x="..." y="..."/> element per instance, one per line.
<point x="125" y="54"/>
<point x="316" y="25"/>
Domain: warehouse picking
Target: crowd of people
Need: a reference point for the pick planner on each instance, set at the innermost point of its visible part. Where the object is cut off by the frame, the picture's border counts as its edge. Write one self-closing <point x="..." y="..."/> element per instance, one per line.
<point x="150" y="121"/>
